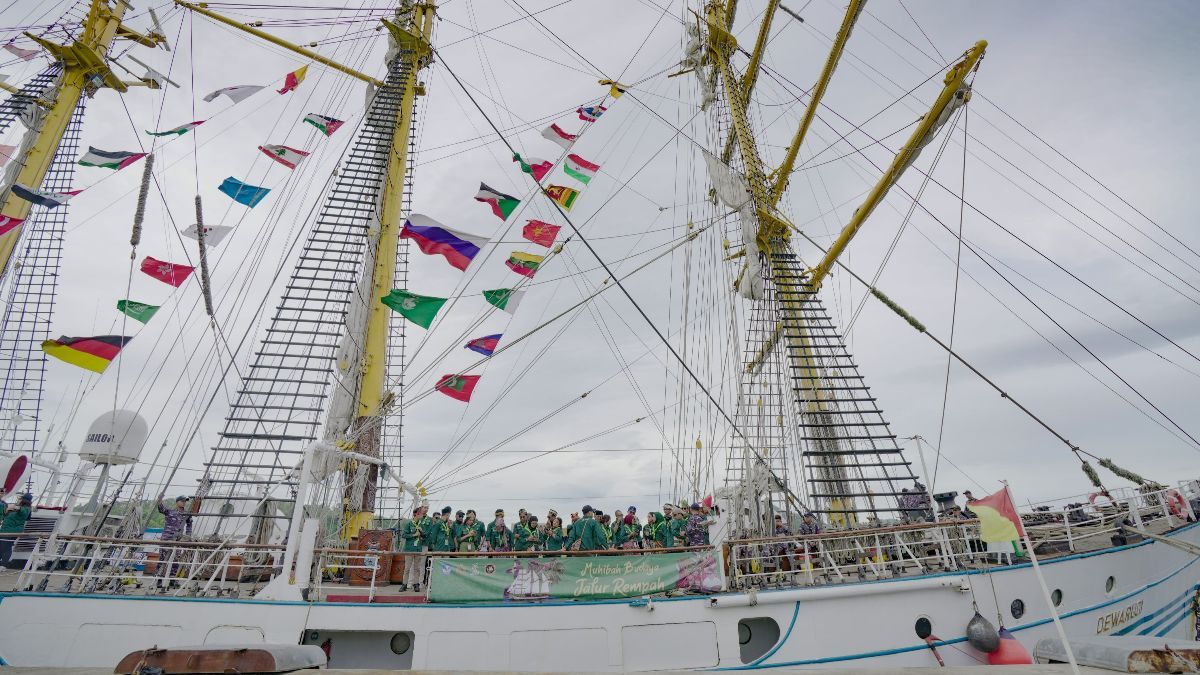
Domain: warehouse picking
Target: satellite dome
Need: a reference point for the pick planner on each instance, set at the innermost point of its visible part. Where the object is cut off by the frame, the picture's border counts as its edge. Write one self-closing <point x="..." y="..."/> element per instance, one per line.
<point x="116" y="437"/>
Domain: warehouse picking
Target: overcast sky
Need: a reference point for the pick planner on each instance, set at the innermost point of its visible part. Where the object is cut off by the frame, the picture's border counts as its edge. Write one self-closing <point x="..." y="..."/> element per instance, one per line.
<point x="1108" y="85"/>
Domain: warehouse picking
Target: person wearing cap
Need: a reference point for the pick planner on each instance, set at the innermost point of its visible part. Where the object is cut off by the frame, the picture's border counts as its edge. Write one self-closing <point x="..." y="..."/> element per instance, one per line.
<point x="668" y="511"/>
<point x="15" y="518"/>
<point x="587" y="534"/>
<point x="524" y="533"/>
<point x="413" y="536"/>
<point x="553" y="538"/>
<point x="469" y="536"/>
<point x="177" y="523"/>
<point x="499" y="537"/>
<point x="810" y="524"/>
<point x="696" y="528"/>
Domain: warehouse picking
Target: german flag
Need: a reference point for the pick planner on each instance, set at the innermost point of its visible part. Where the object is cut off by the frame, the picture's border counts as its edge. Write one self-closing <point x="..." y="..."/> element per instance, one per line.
<point x="92" y="353"/>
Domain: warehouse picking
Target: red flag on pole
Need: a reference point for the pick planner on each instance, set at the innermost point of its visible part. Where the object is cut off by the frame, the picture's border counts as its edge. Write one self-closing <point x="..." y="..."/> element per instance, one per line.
<point x="168" y="273"/>
<point x="458" y="387"/>
<point x="542" y="234"/>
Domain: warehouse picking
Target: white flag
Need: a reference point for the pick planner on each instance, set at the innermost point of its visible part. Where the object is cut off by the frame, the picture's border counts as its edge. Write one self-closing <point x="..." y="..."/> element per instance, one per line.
<point x="236" y="93"/>
<point x="213" y="234"/>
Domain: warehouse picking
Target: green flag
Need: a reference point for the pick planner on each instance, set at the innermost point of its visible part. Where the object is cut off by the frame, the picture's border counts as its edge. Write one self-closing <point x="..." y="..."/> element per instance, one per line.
<point x="506" y="299"/>
<point x="137" y="310"/>
<point x="419" y="309"/>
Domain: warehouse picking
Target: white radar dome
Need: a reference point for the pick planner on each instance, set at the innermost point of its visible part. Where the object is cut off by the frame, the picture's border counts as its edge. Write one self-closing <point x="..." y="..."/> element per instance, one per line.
<point x="116" y="437"/>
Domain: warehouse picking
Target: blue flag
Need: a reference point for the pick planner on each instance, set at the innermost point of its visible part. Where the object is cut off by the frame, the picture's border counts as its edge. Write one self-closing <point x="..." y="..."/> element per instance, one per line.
<point x="240" y="192"/>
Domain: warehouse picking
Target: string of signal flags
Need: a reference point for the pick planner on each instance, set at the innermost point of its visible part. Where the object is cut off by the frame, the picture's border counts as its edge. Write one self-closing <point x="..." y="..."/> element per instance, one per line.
<point x="97" y="352"/>
<point x="460" y="248"/>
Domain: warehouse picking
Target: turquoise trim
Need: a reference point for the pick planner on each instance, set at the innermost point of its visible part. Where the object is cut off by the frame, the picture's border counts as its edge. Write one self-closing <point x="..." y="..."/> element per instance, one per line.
<point x="764" y="657"/>
<point x="953" y="641"/>
<point x="1181" y="617"/>
<point x="1150" y="616"/>
<point x="1168" y="615"/>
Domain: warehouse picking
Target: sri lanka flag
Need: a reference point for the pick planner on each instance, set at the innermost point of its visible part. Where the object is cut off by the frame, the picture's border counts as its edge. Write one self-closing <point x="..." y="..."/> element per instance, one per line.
<point x="109" y="160"/>
<point x="485" y="345"/>
<point x="293" y="79"/>
<point x="458" y="387"/>
<point x="998" y="518"/>
<point x="433" y="238"/>
<point x="502" y="205"/>
<point x="565" y="196"/>
<point x="46" y="199"/>
<point x="92" y="353"/>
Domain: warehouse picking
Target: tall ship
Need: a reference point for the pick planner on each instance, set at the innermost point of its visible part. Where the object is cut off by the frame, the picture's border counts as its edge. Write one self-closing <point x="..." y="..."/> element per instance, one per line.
<point x="323" y="333"/>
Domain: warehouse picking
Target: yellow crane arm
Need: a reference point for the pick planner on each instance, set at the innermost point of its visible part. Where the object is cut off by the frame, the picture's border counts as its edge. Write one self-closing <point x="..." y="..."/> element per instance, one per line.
<point x="784" y="172"/>
<point x="307" y="53"/>
<point x="954" y="94"/>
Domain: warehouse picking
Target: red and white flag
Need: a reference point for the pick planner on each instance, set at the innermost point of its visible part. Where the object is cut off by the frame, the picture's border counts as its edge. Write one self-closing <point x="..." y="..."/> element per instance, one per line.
<point x="168" y="273"/>
<point x="293" y="79"/>
<point x="8" y="224"/>
<point x="23" y="54"/>
<point x="555" y="134"/>
<point x="286" y="156"/>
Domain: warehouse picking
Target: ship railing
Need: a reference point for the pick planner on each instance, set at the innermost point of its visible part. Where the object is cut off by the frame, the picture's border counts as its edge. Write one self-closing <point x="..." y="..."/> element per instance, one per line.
<point x="107" y="565"/>
<point x="915" y="549"/>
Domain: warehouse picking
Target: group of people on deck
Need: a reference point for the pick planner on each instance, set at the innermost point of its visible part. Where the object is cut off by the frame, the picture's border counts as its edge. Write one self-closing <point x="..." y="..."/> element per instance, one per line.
<point x="588" y="530"/>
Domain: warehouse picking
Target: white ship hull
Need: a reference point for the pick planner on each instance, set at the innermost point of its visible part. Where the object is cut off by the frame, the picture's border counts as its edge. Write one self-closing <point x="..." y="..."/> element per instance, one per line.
<point x="868" y="624"/>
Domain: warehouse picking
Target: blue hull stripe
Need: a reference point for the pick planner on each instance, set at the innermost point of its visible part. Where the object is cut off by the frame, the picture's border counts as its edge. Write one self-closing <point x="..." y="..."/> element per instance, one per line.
<point x="1171" y="626"/>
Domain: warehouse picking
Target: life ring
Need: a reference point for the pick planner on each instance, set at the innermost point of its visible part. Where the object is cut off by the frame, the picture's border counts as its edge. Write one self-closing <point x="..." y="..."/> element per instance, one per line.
<point x="1177" y="505"/>
<point x="1095" y="495"/>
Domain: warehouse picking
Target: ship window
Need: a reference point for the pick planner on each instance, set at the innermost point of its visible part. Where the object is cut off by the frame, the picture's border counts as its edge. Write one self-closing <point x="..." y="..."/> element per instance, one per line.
<point x="401" y="643"/>
<point x="756" y="637"/>
<point x="1056" y="597"/>
<point x="1110" y="584"/>
<point x="1017" y="608"/>
<point x="923" y="627"/>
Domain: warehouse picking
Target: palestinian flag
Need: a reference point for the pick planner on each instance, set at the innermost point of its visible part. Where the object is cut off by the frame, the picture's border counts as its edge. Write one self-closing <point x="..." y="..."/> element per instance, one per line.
<point x="458" y="387"/>
<point x="46" y="199"/>
<point x="177" y="131"/>
<point x="580" y="169"/>
<point x="92" y="353"/>
<point x="525" y="264"/>
<point x="538" y="168"/>
<point x="168" y="273"/>
<point x="506" y="299"/>
<point x="590" y="113"/>
<point x="485" y="345"/>
<point x="236" y="93"/>
<point x="502" y="204"/>
<point x="419" y="309"/>
<point x="293" y="79"/>
<point x="286" y="156"/>
<point x="542" y="234"/>
<point x="139" y="311"/>
<point x="327" y="125"/>
<point x="615" y="89"/>
<point x="998" y="517"/>
<point x="564" y="196"/>
<point x="109" y="160"/>
<point x="555" y="134"/>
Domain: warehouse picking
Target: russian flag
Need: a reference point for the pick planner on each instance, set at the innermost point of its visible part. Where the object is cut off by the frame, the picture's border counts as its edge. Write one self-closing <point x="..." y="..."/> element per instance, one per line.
<point x="484" y="345"/>
<point x="433" y="238"/>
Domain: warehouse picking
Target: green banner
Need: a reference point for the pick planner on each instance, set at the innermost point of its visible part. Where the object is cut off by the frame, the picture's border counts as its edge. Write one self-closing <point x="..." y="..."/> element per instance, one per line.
<point x="571" y="578"/>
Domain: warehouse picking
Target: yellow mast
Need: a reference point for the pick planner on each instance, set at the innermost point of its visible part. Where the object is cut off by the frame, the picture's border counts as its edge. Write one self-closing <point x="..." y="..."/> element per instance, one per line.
<point x="85" y="68"/>
<point x="373" y="395"/>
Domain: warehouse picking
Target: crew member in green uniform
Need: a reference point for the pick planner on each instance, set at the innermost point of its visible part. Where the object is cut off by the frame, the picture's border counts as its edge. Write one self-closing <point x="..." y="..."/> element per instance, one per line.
<point x="587" y="534"/>
<point x="441" y="538"/>
<point x="619" y="534"/>
<point x="413" y="537"/>
<point x="470" y="534"/>
<point x="552" y="532"/>
<point x="499" y="537"/>
<point x="655" y="531"/>
<point x="678" y="522"/>
<point x="524" y="533"/>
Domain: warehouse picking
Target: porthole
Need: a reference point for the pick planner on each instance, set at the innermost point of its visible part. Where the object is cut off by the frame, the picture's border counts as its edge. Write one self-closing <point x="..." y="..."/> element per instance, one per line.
<point x="1017" y="608"/>
<point x="743" y="633"/>
<point x="1056" y="597"/>
<point x="923" y="627"/>
<point x="1110" y="584"/>
<point x="401" y="643"/>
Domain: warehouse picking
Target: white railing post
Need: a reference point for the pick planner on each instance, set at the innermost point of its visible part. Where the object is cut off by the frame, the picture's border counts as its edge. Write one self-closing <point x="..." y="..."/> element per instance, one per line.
<point x="1067" y="526"/>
